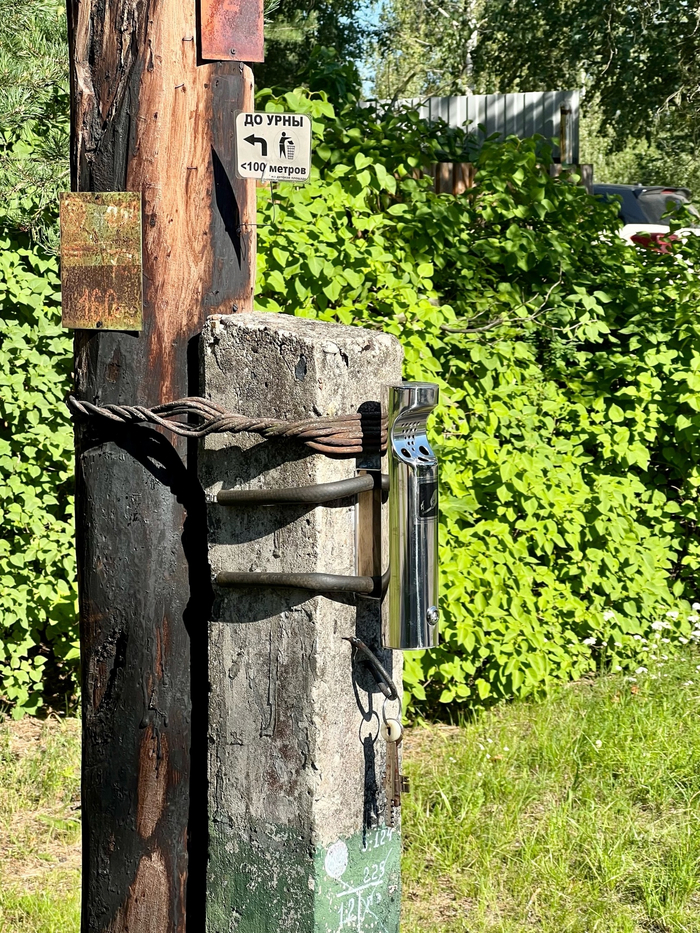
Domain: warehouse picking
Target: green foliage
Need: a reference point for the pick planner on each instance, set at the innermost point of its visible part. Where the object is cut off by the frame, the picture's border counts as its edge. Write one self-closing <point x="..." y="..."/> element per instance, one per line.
<point x="638" y="64"/>
<point x="38" y="638"/>
<point x="38" y="634"/>
<point x="424" y="49"/>
<point x="568" y="366"/>
<point x="662" y="159"/>
<point x="34" y="123"/>
<point x="294" y="30"/>
<point x="636" y="58"/>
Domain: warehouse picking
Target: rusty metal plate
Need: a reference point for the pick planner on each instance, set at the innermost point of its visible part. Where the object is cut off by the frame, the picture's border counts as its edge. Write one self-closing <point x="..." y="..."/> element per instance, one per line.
<point x="101" y="261"/>
<point x="232" y="30"/>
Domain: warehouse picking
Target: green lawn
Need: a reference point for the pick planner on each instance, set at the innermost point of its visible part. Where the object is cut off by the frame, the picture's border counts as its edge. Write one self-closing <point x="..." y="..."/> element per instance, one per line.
<point x="581" y="813"/>
<point x="39" y="827"/>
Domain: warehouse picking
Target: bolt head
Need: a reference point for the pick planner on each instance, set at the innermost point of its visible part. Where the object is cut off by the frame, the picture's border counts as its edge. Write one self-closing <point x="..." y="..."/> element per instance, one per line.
<point x="432" y="615"/>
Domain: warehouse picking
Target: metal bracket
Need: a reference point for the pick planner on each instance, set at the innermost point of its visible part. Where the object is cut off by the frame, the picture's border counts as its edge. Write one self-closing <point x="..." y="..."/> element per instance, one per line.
<point x="369" y="487"/>
<point x="318" y="582"/>
<point x="305" y="495"/>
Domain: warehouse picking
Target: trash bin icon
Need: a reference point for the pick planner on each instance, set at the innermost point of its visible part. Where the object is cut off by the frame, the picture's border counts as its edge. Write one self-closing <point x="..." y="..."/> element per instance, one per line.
<point x="287" y="147"/>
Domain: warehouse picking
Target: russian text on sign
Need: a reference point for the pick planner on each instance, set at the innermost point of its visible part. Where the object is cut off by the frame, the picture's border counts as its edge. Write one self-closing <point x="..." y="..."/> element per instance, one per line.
<point x="278" y="150"/>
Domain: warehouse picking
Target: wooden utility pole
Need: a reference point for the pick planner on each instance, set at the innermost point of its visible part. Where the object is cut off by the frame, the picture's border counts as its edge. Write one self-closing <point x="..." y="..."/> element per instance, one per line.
<point x="147" y="116"/>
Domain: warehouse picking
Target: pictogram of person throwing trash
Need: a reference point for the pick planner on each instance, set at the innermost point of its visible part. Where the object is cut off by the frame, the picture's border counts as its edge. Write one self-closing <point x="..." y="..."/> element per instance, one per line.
<point x="286" y="146"/>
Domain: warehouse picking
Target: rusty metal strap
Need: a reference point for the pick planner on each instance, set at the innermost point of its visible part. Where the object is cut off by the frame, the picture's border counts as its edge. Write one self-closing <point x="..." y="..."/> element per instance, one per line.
<point x="342" y="436"/>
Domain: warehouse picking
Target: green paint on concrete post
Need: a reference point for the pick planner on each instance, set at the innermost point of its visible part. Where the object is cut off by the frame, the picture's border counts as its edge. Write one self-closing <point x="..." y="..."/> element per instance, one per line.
<point x="280" y="882"/>
<point x="358" y="883"/>
<point x="259" y="884"/>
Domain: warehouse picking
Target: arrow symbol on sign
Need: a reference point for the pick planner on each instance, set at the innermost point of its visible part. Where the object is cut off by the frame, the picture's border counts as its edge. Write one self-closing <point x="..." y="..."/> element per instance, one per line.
<point x="253" y="140"/>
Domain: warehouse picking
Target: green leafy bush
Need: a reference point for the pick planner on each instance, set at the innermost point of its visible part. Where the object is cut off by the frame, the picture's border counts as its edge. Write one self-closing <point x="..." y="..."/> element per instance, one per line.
<point x="38" y="623"/>
<point x="567" y="433"/>
<point x="569" y="370"/>
<point x="38" y="629"/>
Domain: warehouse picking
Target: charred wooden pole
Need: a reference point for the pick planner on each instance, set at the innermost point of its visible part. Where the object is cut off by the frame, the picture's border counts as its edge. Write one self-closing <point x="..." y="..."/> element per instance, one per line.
<point x="148" y="116"/>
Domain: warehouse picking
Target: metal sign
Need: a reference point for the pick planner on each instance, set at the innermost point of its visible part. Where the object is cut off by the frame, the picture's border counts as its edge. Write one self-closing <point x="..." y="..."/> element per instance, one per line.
<point x="273" y="146"/>
<point x="232" y="30"/>
<point x="101" y="262"/>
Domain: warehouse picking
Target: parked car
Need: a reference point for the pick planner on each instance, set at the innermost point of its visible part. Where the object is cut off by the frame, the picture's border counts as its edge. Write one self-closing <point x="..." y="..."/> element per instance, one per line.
<point x="645" y="210"/>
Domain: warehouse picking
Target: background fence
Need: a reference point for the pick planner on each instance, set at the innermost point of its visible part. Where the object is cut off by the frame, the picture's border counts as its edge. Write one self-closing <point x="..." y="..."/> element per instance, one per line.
<point x="553" y="114"/>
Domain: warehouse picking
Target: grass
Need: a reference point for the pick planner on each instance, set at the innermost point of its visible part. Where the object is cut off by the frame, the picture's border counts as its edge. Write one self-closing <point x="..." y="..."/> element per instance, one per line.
<point x="39" y="826"/>
<point x="580" y="814"/>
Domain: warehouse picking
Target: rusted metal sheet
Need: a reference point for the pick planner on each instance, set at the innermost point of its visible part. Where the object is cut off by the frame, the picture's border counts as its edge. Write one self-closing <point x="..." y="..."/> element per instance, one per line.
<point x="232" y="30"/>
<point x="101" y="262"/>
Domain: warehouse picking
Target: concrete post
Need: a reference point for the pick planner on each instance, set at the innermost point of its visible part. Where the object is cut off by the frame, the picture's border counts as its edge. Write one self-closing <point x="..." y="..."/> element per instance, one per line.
<point x="298" y="841"/>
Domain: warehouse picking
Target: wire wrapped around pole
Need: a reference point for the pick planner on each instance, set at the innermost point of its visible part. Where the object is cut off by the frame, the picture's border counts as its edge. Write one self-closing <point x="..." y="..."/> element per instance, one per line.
<point x="340" y="436"/>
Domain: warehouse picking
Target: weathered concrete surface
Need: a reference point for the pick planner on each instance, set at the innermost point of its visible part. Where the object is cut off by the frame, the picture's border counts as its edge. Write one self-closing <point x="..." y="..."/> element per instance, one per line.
<point x="296" y="801"/>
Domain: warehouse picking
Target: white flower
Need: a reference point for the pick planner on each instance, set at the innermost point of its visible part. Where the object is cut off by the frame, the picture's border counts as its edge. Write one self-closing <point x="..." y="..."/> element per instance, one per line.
<point x="672" y="614"/>
<point x="608" y="615"/>
<point x="666" y="641"/>
<point x="683" y="641"/>
<point x="696" y="607"/>
<point x="665" y="657"/>
<point x="688" y="683"/>
<point x="639" y="637"/>
<point x="641" y="670"/>
<point x="598" y="743"/>
<point x="479" y="773"/>
<point x="617" y="667"/>
<point x="657" y="626"/>
<point x="482" y="747"/>
<point x="618" y="644"/>
<point x="589" y="641"/>
<point x="505" y="748"/>
<point x="490" y="740"/>
<point x="632" y="680"/>
<point x="693" y="618"/>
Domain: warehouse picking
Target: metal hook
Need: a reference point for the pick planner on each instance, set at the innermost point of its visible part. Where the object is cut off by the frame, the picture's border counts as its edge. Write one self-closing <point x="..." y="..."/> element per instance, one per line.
<point x="379" y="672"/>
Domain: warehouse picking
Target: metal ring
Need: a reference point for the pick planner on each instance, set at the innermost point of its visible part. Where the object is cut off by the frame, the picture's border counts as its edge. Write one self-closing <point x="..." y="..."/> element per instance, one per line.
<point x="368" y="722"/>
<point x="387" y="700"/>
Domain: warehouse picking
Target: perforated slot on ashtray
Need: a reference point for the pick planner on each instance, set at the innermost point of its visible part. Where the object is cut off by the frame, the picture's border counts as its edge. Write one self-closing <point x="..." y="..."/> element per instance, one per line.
<point x="410" y="441"/>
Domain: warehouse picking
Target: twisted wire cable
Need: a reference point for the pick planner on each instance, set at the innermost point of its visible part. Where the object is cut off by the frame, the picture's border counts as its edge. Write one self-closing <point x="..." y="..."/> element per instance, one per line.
<point x="342" y="435"/>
